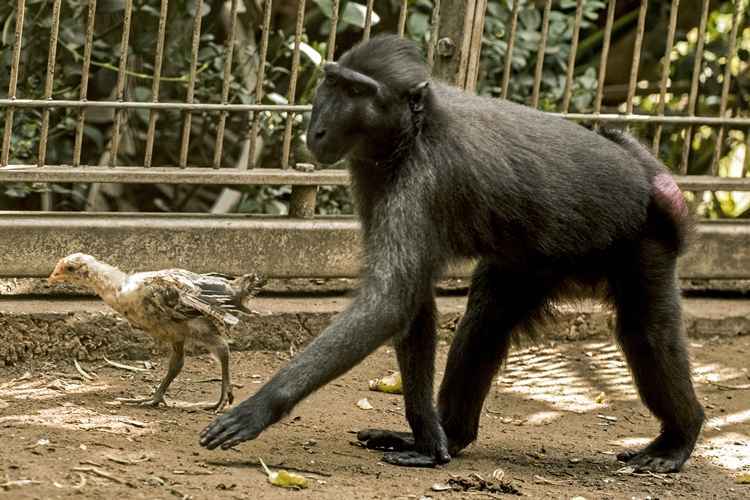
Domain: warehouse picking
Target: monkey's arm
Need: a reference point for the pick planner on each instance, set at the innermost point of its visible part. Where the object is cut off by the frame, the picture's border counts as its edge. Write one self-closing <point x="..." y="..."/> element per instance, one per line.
<point x="396" y="278"/>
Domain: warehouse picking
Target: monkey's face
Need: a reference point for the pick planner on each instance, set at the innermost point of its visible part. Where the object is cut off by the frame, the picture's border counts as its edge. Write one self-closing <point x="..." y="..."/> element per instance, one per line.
<point x="351" y="112"/>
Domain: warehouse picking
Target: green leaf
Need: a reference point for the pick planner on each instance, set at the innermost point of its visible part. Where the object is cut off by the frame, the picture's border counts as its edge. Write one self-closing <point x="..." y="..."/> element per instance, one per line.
<point x="94" y="134"/>
<point x="419" y="24"/>
<point x="355" y="13"/>
<point x="326" y="7"/>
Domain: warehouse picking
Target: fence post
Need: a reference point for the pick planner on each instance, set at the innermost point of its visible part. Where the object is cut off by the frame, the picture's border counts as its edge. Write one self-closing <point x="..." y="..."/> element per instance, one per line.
<point x="459" y="41"/>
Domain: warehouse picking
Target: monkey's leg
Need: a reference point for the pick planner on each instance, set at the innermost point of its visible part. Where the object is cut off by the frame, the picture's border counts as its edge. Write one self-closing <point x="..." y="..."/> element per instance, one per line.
<point x="649" y="329"/>
<point x="498" y="302"/>
<point x="427" y="446"/>
<point x="176" y="361"/>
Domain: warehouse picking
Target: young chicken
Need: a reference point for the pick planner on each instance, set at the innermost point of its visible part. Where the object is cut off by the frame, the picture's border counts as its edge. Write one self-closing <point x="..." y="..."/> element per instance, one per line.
<point x="172" y="305"/>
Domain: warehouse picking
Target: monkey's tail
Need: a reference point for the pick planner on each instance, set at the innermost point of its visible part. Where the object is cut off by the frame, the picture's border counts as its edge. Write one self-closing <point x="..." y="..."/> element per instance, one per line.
<point x="668" y="214"/>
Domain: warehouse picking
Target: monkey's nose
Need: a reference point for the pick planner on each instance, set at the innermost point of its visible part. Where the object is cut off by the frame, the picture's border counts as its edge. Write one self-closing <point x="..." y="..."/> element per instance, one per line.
<point x="319" y="134"/>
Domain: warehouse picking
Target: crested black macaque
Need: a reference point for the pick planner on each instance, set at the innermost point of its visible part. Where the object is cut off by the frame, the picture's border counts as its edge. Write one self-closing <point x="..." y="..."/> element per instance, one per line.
<point x="547" y="207"/>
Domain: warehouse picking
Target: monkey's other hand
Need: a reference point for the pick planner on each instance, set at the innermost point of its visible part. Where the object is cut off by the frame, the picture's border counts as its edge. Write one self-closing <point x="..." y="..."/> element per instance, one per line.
<point x="242" y="423"/>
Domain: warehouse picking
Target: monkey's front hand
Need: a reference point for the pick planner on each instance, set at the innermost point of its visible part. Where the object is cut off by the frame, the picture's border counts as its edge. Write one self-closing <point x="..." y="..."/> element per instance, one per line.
<point x="242" y="423"/>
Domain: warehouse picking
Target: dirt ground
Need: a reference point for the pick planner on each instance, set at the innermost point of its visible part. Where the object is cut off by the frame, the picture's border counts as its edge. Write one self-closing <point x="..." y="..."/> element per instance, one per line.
<point x="550" y="429"/>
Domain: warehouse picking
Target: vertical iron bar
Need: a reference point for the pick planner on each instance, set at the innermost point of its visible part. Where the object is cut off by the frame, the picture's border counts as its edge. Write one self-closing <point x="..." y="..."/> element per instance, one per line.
<point x="509" y="49"/>
<point x="736" y="21"/>
<point x="121" y="77"/>
<point x="665" y="67"/>
<point x="572" y="57"/>
<point x="475" y="47"/>
<point x="13" y="83"/>
<point x="368" y="20"/>
<point x="49" y="82"/>
<point x="402" y="16"/>
<point x="693" y="101"/>
<point x="187" y="123"/>
<point x="604" y="56"/>
<point x="259" y="82"/>
<point x="331" y="49"/>
<point x="434" y="30"/>
<point x="291" y="94"/>
<point x="155" y="84"/>
<point x="540" y="55"/>
<point x="634" y="66"/>
<point x="85" y="67"/>
<point x="228" y="52"/>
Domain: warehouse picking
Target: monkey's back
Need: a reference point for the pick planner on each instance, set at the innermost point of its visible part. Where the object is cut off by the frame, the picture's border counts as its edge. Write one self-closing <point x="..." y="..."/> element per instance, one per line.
<point x="553" y="186"/>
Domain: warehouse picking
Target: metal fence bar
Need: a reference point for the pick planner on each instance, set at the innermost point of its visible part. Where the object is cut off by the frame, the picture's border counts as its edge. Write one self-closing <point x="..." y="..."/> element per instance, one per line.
<point x="173" y="175"/>
<point x="509" y="49"/>
<point x="228" y="52"/>
<point x="635" y="64"/>
<point x="732" y="52"/>
<point x="259" y="176"/>
<point x="13" y="83"/>
<point x="121" y="79"/>
<point x="331" y="48"/>
<point x="693" y="99"/>
<point x="49" y="81"/>
<point x="402" y="18"/>
<point x="85" y="67"/>
<point x="472" y="68"/>
<point x="292" y="91"/>
<point x="368" y="20"/>
<point x="155" y="85"/>
<point x="604" y="58"/>
<point x="434" y="30"/>
<point x="187" y="123"/>
<point x="540" y="55"/>
<point x="739" y="122"/>
<point x="665" y="67"/>
<point x="255" y="129"/>
<point x="572" y="57"/>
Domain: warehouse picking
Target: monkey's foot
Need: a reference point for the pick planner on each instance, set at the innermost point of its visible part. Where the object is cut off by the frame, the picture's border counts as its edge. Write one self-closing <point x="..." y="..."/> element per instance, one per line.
<point x="662" y="455"/>
<point x="402" y="449"/>
<point x="154" y="400"/>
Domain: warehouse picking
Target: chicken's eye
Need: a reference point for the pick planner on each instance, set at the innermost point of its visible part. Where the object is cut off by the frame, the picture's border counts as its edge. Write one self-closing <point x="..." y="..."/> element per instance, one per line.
<point x="70" y="268"/>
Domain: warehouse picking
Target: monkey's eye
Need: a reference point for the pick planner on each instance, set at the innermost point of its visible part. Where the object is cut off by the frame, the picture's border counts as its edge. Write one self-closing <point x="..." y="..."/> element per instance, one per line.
<point x="330" y="79"/>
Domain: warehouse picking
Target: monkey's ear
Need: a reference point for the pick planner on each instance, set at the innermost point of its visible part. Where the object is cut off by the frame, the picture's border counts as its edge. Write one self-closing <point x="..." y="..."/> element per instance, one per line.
<point x="417" y="95"/>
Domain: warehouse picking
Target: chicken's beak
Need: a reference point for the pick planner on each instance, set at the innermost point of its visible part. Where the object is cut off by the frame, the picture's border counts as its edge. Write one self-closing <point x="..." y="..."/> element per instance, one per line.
<point x="57" y="274"/>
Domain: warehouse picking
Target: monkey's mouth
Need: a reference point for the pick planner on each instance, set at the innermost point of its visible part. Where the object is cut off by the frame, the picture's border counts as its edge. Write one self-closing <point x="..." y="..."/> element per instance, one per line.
<point x="327" y="153"/>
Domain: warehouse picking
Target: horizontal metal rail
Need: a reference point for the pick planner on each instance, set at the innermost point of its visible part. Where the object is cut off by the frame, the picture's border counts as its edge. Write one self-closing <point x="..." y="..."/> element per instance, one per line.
<point x="180" y="106"/>
<point x="173" y="175"/>
<point x="260" y="176"/>
<point x="278" y="247"/>
<point x="739" y="122"/>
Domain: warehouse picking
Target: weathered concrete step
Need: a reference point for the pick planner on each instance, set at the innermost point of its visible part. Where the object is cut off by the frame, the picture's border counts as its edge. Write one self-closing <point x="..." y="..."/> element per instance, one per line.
<point x="45" y="329"/>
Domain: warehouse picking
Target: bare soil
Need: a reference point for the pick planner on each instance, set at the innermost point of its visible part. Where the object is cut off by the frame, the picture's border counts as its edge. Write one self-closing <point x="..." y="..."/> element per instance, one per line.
<point x="551" y="426"/>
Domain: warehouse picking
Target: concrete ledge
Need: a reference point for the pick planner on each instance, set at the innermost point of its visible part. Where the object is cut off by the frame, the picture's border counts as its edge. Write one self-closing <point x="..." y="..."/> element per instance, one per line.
<point x="34" y="330"/>
<point x="277" y="247"/>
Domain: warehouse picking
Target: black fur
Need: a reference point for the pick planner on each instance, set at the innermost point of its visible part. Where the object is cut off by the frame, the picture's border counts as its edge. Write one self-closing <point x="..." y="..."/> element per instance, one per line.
<point x="547" y="207"/>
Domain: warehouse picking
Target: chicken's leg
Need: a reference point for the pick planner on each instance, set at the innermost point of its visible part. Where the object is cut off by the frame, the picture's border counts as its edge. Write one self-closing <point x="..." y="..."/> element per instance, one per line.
<point x="221" y="351"/>
<point x="176" y="362"/>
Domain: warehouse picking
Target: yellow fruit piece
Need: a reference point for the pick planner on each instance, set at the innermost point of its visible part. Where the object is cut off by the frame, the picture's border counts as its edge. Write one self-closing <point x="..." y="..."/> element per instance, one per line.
<point x="284" y="479"/>
<point x="743" y="478"/>
<point x="390" y="384"/>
